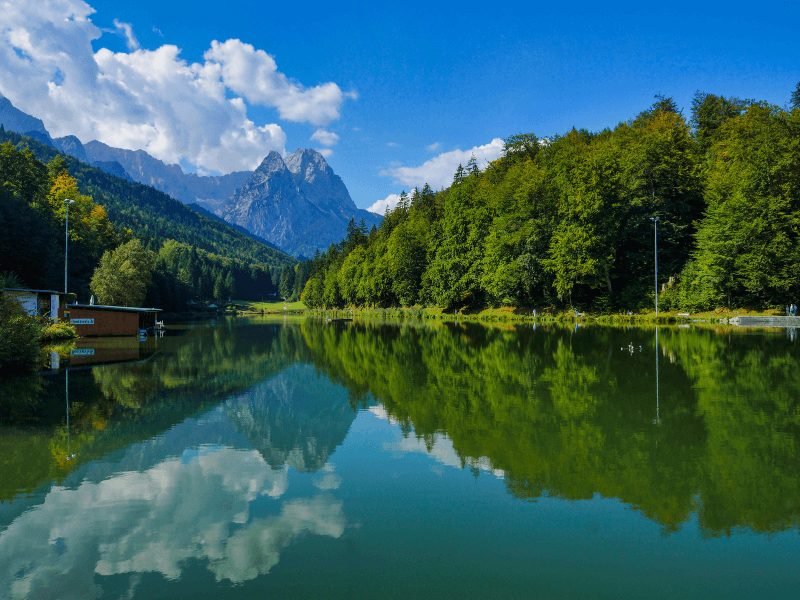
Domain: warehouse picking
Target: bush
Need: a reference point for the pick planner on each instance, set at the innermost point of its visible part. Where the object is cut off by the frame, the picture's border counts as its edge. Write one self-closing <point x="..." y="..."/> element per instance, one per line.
<point x="58" y="331"/>
<point x="20" y="336"/>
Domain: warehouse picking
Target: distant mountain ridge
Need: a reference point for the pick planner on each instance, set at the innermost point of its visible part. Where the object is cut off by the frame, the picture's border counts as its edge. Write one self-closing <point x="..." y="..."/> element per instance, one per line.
<point x="208" y="191"/>
<point x="298" y="204"/>
<point x="154" y="216"/>
<point x="14" y="119"/>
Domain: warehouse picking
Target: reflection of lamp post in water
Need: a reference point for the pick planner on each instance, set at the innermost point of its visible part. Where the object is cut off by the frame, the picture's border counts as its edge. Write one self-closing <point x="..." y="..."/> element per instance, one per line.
<point x="657" y="420"/>
<point x="66" y="395"/>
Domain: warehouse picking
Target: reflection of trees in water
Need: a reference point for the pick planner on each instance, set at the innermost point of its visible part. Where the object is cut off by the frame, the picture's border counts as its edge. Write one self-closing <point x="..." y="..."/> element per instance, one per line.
<point x="559" y="412"/>
<point x="748" y="393"/>
<point x="297" y="418"/>
<point x="115" y="405"/>
<point x="571" y="414"/>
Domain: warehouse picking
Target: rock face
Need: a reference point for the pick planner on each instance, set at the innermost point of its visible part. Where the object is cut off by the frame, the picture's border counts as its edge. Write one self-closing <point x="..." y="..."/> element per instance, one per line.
<point x="71" y="145"/>
<point x="14" y="119"/>
<point x="298" y="204"/>
<point x="210" y="192"/>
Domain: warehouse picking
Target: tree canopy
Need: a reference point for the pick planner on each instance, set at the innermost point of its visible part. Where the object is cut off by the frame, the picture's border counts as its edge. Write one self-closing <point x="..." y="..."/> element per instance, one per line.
<point x="568" y="220"/>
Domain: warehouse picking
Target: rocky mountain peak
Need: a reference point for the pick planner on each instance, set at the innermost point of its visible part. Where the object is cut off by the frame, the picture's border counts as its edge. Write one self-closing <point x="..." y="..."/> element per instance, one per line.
<point x="296" y="203"/>
<point x="306" y="163"/>
<point x="272" y="163"/>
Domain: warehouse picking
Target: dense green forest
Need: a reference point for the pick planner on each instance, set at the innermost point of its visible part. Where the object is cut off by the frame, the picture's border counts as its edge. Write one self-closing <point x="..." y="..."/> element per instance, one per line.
<point x="196" y="257"/>
<point x="567" y="221"/>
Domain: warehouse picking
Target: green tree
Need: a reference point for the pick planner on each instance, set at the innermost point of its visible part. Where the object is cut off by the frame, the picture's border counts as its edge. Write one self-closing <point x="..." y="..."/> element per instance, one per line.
<point x="748" y="251"/>
<point x="709" y="113"/>
<point x="124" y="275"/>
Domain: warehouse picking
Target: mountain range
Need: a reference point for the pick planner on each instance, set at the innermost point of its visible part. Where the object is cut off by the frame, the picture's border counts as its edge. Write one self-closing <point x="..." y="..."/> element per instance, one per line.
<point x="296" y="203"/>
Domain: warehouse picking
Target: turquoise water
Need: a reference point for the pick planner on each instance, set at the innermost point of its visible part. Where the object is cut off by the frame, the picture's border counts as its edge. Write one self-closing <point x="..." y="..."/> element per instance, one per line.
<point x="302" y="460"/>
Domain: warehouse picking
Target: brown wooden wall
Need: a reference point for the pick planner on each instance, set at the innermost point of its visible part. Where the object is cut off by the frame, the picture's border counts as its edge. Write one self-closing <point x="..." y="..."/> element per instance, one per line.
<point x="106" y="322"/>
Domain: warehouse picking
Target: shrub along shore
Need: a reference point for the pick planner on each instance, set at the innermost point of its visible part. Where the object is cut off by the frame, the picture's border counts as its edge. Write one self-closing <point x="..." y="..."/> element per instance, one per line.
<point x="22" y="337"/>
<point x="519" y="315"/>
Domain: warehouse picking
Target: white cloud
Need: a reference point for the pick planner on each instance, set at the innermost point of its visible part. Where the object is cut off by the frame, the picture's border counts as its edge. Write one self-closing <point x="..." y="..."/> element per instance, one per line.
<point x="433" y="147"/>
<point x="195" y="114"/>
<point x="127" y="30"/>
<point x="254" y="75"/>
<point x="326" y="152"/>
<point x="325" y="137"/>
<point x="379" y="207"/>
<point x="438" y="171"/>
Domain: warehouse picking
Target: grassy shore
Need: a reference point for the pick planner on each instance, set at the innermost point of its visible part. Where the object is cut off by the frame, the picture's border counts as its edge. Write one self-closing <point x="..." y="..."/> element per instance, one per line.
<point x="512" y="314"/>
<point x="504" y="314"/>
<point x="270" y="308"/>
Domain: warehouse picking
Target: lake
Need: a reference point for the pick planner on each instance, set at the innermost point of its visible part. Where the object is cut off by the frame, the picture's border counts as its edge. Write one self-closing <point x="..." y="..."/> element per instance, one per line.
<point x="253" y="458"/>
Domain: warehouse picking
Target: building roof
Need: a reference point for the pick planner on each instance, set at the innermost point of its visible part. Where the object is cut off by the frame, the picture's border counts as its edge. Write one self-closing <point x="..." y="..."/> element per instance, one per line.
<point x="135" y="309"/>
<point x="37" y="291"/>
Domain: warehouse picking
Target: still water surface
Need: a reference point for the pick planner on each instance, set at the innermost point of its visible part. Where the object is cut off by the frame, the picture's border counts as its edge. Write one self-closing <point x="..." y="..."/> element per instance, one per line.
<point x="303" y="460"/>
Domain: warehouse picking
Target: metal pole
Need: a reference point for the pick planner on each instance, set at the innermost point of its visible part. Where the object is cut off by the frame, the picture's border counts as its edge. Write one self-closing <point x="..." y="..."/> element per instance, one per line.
<point x="655" y="254"/>
<point x="67" y="202"/>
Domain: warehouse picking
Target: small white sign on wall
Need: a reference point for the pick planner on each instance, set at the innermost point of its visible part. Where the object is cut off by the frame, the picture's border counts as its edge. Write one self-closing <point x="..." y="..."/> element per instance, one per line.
<point x="82" y="321"/>
<point x="82" y="352"/>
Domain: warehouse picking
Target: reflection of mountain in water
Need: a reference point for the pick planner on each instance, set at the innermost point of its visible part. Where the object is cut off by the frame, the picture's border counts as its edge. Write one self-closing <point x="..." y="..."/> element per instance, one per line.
<point x="187" y="494"/>
<point x="297" y="418"/>
<point x="115" y="406"/>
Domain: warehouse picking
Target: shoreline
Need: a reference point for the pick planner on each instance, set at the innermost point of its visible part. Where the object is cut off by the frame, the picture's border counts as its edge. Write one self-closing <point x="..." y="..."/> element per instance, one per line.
<point x="515" y="315"/>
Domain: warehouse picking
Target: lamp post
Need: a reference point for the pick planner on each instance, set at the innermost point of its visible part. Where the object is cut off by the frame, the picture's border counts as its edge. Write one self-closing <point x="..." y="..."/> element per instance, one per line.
<point x="655" y="254"/>
<point x="67" y="202"/>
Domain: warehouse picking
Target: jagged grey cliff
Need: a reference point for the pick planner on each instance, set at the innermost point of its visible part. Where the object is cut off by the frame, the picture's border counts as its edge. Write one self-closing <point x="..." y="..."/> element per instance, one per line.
<point x="298" y="204"/>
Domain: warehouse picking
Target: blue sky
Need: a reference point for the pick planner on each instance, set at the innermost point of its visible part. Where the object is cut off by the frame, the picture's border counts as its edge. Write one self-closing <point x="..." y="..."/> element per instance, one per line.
<point x="431" y="79"/>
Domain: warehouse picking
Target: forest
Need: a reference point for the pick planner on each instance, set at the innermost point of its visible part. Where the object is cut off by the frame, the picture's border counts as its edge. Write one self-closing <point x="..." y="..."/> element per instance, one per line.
<point x="568" y="221"/>
<point x="184" y="255"/>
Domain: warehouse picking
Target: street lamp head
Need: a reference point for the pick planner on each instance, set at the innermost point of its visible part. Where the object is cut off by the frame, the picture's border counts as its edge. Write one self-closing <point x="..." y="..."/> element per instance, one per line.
<point x="68" y="201"/>
<point x="655" y="219"/>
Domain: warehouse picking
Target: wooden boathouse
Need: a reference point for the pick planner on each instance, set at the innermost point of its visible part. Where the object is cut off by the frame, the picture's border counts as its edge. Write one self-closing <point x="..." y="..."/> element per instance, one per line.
<point x="95" y="320"/>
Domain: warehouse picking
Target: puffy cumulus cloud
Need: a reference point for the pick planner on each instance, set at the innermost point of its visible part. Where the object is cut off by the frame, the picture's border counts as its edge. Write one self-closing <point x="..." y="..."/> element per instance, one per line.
<point x="194" y="114"/>
<point x="325" y="137"/>
<point x="438" y="171"/>
<point x="379" y="207"/>
<point x="254" y="75"/>
<point x="196" y="507"/>
<point x="326" y="152"/>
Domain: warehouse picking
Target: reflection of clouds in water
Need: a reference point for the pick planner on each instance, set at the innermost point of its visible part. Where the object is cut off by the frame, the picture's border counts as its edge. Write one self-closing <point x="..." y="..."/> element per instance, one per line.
<point x="254" y="550"/>
<point x="153" y="521"/>
<point x="329" y="481"/>
<point x="381" y="413"/>
<point x="443" y="452"/>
